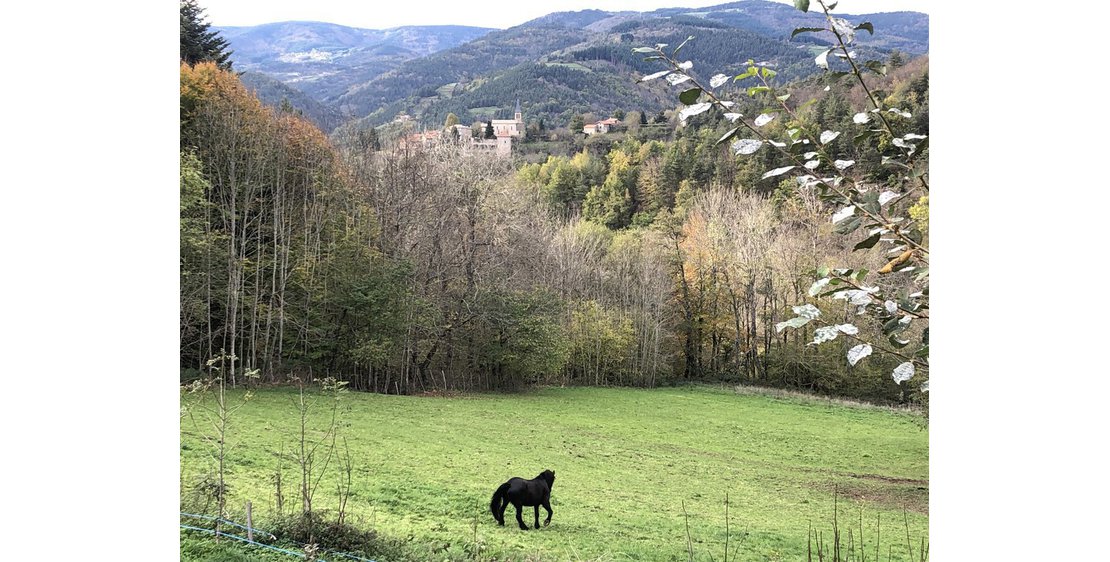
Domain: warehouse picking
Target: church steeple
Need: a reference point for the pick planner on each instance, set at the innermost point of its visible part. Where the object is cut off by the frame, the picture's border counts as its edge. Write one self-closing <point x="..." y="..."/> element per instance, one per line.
<point x="517" y="115"/>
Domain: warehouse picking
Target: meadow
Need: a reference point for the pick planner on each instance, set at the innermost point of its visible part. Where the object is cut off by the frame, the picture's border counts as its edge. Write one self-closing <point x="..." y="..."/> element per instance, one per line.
<point x="640" y="474"/>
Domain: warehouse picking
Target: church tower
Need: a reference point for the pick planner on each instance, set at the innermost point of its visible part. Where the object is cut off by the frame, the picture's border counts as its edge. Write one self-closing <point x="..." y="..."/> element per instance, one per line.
<point x="517" y="115"/>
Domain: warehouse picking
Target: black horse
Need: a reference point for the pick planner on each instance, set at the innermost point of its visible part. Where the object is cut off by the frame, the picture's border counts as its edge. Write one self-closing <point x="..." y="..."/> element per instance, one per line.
<point x="521" y="492"/>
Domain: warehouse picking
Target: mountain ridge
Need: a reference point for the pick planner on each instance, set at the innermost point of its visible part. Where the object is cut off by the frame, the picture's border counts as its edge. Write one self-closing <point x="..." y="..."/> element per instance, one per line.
<point x="375" y="75"/>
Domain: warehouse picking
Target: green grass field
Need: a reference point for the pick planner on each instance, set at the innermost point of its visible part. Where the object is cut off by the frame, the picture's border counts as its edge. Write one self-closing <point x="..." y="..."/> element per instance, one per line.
<point x="626" y="462"/>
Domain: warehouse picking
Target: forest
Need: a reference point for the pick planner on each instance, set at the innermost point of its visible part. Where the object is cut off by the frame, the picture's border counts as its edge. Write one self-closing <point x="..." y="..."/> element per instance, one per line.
<point x="408" y="271"/>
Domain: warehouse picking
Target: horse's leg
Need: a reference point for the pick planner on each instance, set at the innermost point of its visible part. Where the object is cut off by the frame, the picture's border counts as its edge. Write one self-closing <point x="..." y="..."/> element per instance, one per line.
<point x="501" y="511"/>
<point x="519" y="519"/>
<point x="536" y="508"/>
<point x="547" y="506"/>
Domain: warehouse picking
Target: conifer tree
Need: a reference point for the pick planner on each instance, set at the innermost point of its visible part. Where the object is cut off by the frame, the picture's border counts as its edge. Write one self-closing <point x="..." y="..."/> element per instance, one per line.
<point x="198" y="44"/>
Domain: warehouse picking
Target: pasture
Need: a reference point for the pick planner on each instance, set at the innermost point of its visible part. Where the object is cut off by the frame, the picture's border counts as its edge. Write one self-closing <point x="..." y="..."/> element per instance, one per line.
<point x="629" y="462"/>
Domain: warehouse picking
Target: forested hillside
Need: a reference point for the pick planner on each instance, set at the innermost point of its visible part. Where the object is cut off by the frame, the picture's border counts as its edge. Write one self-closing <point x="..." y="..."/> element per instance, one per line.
<point x="650" y="263"/>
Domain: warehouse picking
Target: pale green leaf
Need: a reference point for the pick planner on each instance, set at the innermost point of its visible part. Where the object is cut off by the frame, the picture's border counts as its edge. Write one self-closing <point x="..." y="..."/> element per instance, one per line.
<point x="654" y="76"/>
<point x="817" y="286"/>
<point x="807" y="311"/>
<point x="903" y="372"/>
<point x="844" y="213"/>
<point x="822" y="60"/>
<point x="778" y="172"/>
<point x="858" y="352"/>
<point x="693" y="110"/>
<point x="746" y="146"/>
<point x="676" y="79"/>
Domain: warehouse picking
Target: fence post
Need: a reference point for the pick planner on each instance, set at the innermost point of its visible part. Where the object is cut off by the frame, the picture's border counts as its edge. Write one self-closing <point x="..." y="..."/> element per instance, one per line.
<point x="250" y="524"/>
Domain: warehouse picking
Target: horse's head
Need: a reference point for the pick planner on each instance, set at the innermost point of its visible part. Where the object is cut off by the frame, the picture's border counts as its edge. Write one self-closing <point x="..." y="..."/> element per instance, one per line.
<point x="549" y="476"/>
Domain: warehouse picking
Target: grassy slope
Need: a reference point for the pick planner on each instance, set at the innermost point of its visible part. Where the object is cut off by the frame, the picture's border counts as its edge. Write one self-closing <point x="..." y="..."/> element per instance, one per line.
<point x="625" y="461"/>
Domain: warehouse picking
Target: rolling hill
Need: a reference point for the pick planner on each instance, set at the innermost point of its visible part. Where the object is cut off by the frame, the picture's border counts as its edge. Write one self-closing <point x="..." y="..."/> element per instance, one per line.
<point x="558" y="65"/>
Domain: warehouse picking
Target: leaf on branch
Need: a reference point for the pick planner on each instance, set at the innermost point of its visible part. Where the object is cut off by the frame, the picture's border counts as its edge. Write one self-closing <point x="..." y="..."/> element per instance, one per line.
<point x="886" y="197"/>
<point x="654" y="76"/>
<point x="861" y="118"/>
<point x="843" y="164"/>
<point x="817" y="286"/>
<point x="858" y="352"/>
<point x="855" y="297"/>
<point x="891" y="306"/>
<point x="812" y="164"/>
<point x="746" y="146"/>
<point x="693" y="110"/>
<point x="807" y="311"/>
<point x="757" y="90"/>
<point x="644" y="50"/>
<point x="876" y="66"/>
<point x="844" y="28"/>
<point x="867" y="25"/>
<point x="732" y="117"/>
<point x="824" y="334"/>
<point x="728" y="135"/>
<point x="777" y="172"/>
<point x="844" y="213"/>
<point x="899" y="112"/>
<point x="913" y="136"/>
<point x="685" y="65"/>
<point x="717" y="80"/>
<point x="903" y="372"/>
<point x="849" y="226"/>
<point x="802" y="5"/>
<point x="848" y="329"/>
<point x="925" y="386"/>
<point x="822" y="59"/>
<point x="801" y="30"/>
<point x="896" y="262"/>
<point x="868" y="243"/>
<point x="676" y="79"/>
<point x="690" y="97"/>
<point x="681" y="45"/>
<point x="792" y="323"/>
<point x="763" y="119"/>
<point x="829" y="136"/>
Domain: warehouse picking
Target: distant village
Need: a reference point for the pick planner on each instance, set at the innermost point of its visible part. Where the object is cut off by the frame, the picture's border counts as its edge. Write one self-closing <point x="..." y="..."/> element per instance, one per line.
<point x="504" y="131"/>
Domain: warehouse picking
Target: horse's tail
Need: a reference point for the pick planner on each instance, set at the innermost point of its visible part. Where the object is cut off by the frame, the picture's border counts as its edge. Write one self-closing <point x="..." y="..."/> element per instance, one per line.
<point x="495" y="501"/>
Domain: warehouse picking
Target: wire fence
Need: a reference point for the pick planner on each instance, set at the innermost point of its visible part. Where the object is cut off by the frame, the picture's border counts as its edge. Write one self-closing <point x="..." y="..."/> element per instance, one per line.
<point x="253" y="530"/>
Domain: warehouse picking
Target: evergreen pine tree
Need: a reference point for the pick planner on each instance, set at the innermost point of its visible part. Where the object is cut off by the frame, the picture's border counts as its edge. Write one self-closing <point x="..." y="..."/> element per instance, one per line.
<point x="198" y="44"/>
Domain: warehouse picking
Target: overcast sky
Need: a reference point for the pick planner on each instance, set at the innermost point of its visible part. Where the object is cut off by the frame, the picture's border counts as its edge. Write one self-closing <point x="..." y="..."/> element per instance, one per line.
<point x="483" y="13"/>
